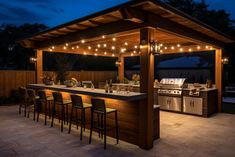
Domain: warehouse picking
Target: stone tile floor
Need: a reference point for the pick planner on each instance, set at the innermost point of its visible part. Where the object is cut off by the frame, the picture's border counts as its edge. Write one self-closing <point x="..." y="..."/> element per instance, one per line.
<point x="181" y="135"/>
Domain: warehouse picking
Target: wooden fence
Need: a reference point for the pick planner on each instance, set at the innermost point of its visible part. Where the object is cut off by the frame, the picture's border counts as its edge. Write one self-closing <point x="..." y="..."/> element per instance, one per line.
<point x="12" y="80"/>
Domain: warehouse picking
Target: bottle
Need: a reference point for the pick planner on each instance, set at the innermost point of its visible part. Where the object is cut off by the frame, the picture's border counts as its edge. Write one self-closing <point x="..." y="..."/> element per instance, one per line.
<point x="106" y="87"/>
<point x="110" y="87"/>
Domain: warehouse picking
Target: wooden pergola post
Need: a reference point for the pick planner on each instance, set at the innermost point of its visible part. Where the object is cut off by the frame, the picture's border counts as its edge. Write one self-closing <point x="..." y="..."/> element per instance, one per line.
<point x="39" y="66"/>
<point x="218" y="76"/>
<point x="146" y="86"/>
<point x="121" y="68"/>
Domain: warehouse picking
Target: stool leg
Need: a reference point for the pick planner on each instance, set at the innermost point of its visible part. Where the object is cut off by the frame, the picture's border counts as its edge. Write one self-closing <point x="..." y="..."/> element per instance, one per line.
<point x="34" y="110"/>
<point x="25" y="109"/>
<point x="82" y="113"/>
<point x="92" y="121"/>
<point x="98" y="120"/>
<point x="20" y="108"/>
<point x="104" y="131"/>
<point x="53" y="112"/>
<point x="38" y="111"/>
<point x="67" y="113"/>
<point x="62" y="118"/>
<point x="102" y="126"/>
<point x="49" y="109"/>
<point x="71" y="116"/>
<point x="46" y="112"/>
<point x="116" y="120"/>
<point x="76" y="118"/>
<point x="84" y="119"/>
<point x="28" y="110"/>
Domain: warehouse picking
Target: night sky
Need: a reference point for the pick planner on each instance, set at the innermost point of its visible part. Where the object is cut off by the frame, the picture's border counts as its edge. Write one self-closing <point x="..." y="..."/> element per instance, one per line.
<point x="56" y="12"/>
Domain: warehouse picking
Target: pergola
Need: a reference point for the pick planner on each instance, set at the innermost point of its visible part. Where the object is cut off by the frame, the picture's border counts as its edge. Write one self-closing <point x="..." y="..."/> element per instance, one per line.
<point x="131" y="29"/>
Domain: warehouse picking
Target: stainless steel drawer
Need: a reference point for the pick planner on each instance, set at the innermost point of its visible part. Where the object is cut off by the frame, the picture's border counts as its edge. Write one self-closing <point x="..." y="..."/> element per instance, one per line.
<point x="169" y="103"/>
<point x="193" y="105"/>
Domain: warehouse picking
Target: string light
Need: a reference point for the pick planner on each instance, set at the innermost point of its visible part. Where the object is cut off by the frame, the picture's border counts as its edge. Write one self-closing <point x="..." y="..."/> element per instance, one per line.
<point x="126" y="43"/>
<point x="211" y="48"/>
<point x="134" y="52"/>
<point x="105" y="53"/>
<point x="98" y="45"/>
<point x="95" y="54"/>
<point x="66" y="44"/>
<point x="89" y="47"/>
<point x="131" y="54"/>
<point x="172" y="47"/>
<point x="161" y="45"/>
<point x="198" y="47"/>
<point x="190" y="50"/>
<point x="65" y="47"/>
<point x="114" y="39"/>
<point x="103" y="36"/>
<point x="165" y="48"/>
<point x="161" y="51"/>
<point x="83" y="41"/>
<point x="207" y="47"/>
<point x="113" y="54"/>
<point x="72" y="48"/>
<point x="105" y="45"/>
<point x="77" y="47"/>
<point x="113" y="47"/>
<point x="50" y="50"/>
<point x="53" y="47"/>
<point x="84" y="53"/>
<point x="96" y="50"/>
<point x="181" y="49"/>
<point x="178" y="45"/>
<point x="135" y="46"/>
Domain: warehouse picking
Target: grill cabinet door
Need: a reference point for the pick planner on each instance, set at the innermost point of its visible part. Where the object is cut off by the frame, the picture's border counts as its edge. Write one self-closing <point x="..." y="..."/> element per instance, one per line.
<point x="192" y="105"/>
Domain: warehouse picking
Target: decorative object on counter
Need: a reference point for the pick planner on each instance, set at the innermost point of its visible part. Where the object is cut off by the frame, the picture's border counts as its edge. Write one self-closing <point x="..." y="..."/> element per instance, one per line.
<point x="136" y="79"/>
<point x="110" y="87"/>
<point x="48" y="79"/>
<point x="106" y="87"/>
<point x="156" y="83"/>
<point x="71" y="83"/>
<point x="196" y="85"/>
<point x="208" y="84"/>
<point x="125" y="80"/>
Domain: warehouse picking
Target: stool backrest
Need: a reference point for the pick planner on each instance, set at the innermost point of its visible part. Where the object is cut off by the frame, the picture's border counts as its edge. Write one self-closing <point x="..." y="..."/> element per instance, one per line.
<point x="32" y="96"/>
<point x="42" y="96"/>
<point x="58" y="99"/>
<point x="98" y="105"/>
<point x="23" y="94"/>
<point x="77" y="101"/>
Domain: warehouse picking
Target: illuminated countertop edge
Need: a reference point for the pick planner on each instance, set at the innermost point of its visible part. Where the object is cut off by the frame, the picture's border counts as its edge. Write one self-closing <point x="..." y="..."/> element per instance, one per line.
<point x="132" y="96"/>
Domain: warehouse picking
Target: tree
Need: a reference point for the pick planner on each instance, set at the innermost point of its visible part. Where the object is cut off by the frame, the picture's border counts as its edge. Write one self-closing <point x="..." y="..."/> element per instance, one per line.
<point x="13" y="55"/>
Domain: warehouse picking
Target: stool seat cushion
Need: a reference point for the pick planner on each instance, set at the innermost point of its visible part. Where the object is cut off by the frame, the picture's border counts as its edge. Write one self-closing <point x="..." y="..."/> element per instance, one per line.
<point x="108" y="110"/>
<point x="67" y="102"/>
<point x="87" y="105"/>
<point x="50" y="98"/>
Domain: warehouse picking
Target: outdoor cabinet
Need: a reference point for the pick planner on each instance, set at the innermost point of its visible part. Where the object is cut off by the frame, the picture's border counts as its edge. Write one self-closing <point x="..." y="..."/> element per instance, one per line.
<point x="193" y="105"/>
<point x="170" y="103"/>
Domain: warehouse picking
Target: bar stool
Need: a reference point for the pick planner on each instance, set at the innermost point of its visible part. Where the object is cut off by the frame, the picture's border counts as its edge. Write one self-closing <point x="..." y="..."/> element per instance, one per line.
<point x="33" y="102"/>
<point x="78" y="104"/>
<point x="46" y="102"/>
<point x="23" y="99"/>
<point x="58" y="100"/>
<point x="98" y="107"/>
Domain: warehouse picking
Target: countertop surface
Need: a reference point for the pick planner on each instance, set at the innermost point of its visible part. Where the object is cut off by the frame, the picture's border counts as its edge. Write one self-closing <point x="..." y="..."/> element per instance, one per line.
<point x="131" y="96"/>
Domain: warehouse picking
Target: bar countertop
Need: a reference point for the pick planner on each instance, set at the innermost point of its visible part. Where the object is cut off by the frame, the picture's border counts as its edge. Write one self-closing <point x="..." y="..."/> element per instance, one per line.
<point x="131" y="96"/>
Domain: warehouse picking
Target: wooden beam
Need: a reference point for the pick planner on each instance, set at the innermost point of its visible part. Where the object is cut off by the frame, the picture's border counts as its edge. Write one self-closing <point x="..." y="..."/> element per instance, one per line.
<point x="218" y="76"/>
<point x="110" y="28"/>
<point x="96" y="22"/>
<point x="146" y="86"/>
<point x="121" y="68"/>
<point x="167" y="25"/>
<point x="39" y="66"/>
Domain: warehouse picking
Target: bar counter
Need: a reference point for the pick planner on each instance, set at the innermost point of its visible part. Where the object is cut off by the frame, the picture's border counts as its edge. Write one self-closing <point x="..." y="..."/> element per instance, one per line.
<point x="129" y="107"/>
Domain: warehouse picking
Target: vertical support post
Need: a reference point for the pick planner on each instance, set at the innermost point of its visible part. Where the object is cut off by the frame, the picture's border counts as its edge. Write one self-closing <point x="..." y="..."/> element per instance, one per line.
<point x="121" y="68"/>
<point x="146" y="86"/>
<point x="39" y="66"/>
<point x="218" y="76"/>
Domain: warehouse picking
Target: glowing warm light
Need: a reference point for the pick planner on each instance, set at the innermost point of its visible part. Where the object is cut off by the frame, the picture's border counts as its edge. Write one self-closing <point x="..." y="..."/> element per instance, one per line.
<point x="77" y="47"/>
<point x="126" y="43"/>
<point x="131" y="54"/>
<point x="122" y="50"/>
<point x="50" y="49"/>
<point x="96" y="50"/>
<point x="89" y="47"/>
<point x="65" y="47"/>
<point x="190" y="50"/>
<point x="98" y="45"/>
<point x="134" y="51"/>
<point x="66" y="44"/>
<point x="84" y="53"/>
<point x="105" y="53"/>
<point x="114" y="39"/>
<point x="95" y="54"/>
<point x="105" y="45"/>
<point x="178" y="45"/>
<point x="161" y="51"/>
<point x="198" y="47"/>
<point x="161" y="45"/>
<point x="113" y="47"/>
<point x="211" y="48"/>
<point x="165" y="48"/>
<point x="103" y="36"/>
<point x="53" y="47"/>
<point x="181" y="49"/>
<point x="83" y="41"/>
<point x="113" y="55"/>
<point x="72" y="48"/>
<point x="172" y="47"/>
<point x="207" y="47"/>
<point x="136" y="46"/>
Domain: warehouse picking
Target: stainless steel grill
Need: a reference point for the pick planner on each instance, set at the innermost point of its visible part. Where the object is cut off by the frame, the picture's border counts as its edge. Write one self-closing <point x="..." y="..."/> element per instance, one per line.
<point x="171" y="86"/>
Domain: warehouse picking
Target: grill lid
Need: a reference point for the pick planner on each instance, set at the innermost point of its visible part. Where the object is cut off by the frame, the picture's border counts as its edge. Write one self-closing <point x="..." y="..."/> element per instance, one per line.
<point x="173" y="82"/>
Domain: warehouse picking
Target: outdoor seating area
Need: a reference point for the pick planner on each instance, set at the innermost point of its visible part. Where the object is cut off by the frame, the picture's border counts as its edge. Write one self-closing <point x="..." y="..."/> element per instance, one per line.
<point x="181" y="135"/>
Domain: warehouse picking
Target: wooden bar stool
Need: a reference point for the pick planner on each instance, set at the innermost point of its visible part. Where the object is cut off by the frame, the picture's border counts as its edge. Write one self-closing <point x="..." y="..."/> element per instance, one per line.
<point x="33" y="102"/>
<point x="98" y="107"/>
<point x="78" y="104"/>
<point x="58" y="100"/>
<point x="46" y="102"/>
<point x="23" y="100"/>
